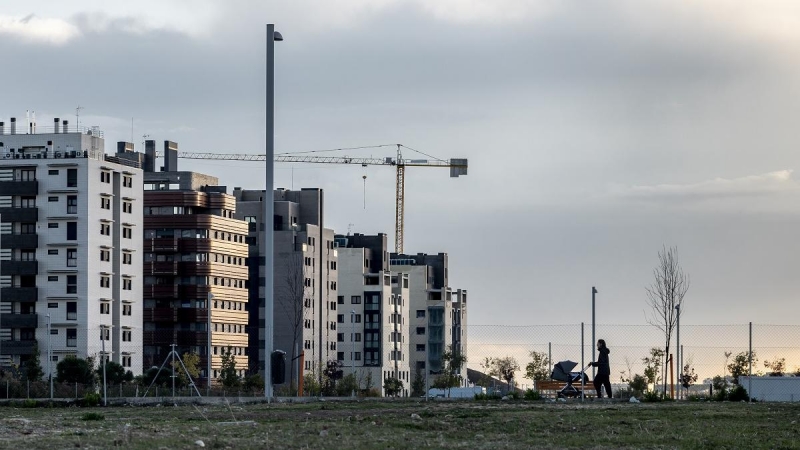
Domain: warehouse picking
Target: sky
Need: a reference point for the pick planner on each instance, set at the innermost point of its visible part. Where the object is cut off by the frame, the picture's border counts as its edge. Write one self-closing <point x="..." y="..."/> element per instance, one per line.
<point x="597" y="132"/>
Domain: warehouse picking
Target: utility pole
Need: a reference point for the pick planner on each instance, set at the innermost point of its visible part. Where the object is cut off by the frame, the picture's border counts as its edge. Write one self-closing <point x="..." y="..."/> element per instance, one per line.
<point x="208" y="352"/>
<point x="105" y="363"/>
<point x="594" y="340"/>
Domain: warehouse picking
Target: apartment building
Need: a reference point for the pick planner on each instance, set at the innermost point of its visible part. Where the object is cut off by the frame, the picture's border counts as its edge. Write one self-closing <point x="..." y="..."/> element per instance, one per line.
<point x="372" y="316"/>
<point x="71" y="247"/>
<point x="438" y="312"/>
<point x="305" y="279"/>
<point x="195" y="257"/>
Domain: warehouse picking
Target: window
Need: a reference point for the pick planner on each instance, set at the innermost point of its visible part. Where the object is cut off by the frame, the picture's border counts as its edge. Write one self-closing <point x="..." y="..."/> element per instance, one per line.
<point x="357" y="338"/>
<point x="72" y="204"/>
<point x="52" y="305"/>
<point x="420" y="330"/>
<point x="340" y="299"/>
<point x="355" y="299"/>
<point x="27" y="228"/>
<point x="72" y="231"/>
<point x="72" y="310"/>
<point x="127" y="207"/>
<point x="72" y="257"/>
<point x="127" y="309"/>
<point x="105" y="281"/>
<point x="127" y="258"/>
<point x="52" y="172"/>
<point x="340" y="318"/>
<point x="105" y="229"/>
<point x="52" y="199"/>
<point x="126" y="361"/>
<point x="27" y="255"/>
<point x="420" y="347"/>
<point x="72" y="284"/>
<point x="126" y="335"/>
<point x="105" y="177"/>
<point x="105" y="202"/>
<point x="52" y="251"/>
<point x="127" y="181"/>
<point x="72" y="177"/>
<point x="127" y="284"/>
<point x="105" y="255"/>
<point x="357" y="317"/>
<point x="27" y="202"/>
<point x="339" y="337"/>
<point x="340" y="356"/>
<point x="127" y="232"/>
<point x="105" y="334"/>
<point x="52" y="278"/>
<point x="358" y="356"/>
<point x="420" y="314"/>
<point x="105" y="308"/>
<point x="52" y="225"/>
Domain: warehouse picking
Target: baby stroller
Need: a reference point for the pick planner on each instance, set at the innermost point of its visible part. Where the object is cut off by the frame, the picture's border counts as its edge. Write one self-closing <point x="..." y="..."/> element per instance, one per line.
<point x="562" y="372"/>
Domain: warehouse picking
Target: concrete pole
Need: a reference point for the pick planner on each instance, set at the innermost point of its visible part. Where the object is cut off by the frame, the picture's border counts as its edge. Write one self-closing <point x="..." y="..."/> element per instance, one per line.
<point x="353" y="340"/>
<point x="104" y="361"/>
<point x="583" y="361"/>
<point x="49" y="357"/>
<point x="678" y="348"/>
<point x="269" y="211"/>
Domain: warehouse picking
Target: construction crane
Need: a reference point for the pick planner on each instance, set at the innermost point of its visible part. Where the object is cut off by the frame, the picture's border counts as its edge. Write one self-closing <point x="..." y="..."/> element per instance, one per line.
<point x="457" y="166"/>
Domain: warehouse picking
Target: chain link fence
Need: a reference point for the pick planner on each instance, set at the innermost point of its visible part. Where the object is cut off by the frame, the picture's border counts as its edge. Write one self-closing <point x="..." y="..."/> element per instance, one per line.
<point x="717" y="355"/>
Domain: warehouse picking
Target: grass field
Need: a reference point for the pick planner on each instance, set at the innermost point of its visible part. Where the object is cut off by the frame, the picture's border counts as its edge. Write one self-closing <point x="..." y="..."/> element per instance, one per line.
<point x="407" y="424"/>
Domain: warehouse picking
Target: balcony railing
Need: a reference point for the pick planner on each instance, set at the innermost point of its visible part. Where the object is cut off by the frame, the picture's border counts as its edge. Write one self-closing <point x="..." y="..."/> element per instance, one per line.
<point x="18" y="187"/>
<point x="21" y="347"/>
<point x="19" y="214"/>
<point x="19" y="267"/>
<point x="19" y="320"/>
<point x="19" y="294"/>
<point x="14" y="241"/>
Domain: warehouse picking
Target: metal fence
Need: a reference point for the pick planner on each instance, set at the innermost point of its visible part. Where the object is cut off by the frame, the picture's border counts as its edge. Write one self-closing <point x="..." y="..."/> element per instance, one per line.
<point x="20" y="389"/>
<point x="707" y="349"/>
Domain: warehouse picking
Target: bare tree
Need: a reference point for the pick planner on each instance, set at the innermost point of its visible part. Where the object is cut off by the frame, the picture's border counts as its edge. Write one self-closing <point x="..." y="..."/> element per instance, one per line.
<point x="666" y="293"/>
<point x="294" y="289"/>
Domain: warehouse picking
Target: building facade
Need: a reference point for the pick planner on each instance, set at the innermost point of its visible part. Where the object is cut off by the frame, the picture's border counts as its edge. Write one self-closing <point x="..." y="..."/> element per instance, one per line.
<point x="70" y="248"/>
<point x="305" y="279"/>
<point x="373" y="307"/>
<point x="438" y="312"/>
<point x="195" y="258"/>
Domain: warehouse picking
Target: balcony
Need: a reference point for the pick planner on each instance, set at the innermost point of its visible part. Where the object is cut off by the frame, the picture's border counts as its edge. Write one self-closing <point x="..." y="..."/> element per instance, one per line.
<point x="13" y="241"/>
<point x="192" y="337"/>
<point x="189" y="315"/>
<point x="161" y="245"/>
<point x="159" y="315"/>
<point x="19" y="294"/>
<point x="194" y="291"/>
<point x="17" y="347"/>
<point x="19" y="320"/>
<point x="161" y="268"/>
<point x="160" y="291"/>
<point x="19" y="187"/>
<point x="19" y="214"/>
<point x="19" y="267"/>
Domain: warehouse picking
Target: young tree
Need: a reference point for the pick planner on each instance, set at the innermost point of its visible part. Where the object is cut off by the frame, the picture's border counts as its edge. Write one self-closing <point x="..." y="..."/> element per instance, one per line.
<point x="392" y="386"/>
<point x="228" y="376"/>
<point x="452" y="361"/>
<point x="667" y="291"/>
<point x="777" y="367"/>
<point x="418" y="385"/>
<point x="115" y="373"/>
<point x="72" y="369"/>
<point x="293" y="304"/>
<point x="652" y="366"/>
<point x="32" y="369"/>
<point x="687" y="377"/>
<point x="539" y="367"/>
<point x="741" y="365"/>
<point x="191" y="361"/>
<point x="505" y="368"/>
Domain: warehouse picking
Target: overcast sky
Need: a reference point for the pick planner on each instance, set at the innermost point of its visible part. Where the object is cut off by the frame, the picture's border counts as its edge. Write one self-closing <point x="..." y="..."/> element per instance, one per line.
<point x="596" y="132"/>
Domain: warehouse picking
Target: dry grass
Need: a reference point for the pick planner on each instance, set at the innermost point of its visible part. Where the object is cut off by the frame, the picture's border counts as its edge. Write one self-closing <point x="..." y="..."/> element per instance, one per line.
<point x="409" y="424"/>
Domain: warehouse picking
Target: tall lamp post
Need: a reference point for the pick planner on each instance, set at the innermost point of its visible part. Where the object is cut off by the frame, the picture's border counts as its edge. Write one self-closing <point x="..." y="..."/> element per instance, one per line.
<point x="594" y="341"/>
<point x="353" y="339"/>
<point x="269" y="207"/>
<point x="678" y="348"/>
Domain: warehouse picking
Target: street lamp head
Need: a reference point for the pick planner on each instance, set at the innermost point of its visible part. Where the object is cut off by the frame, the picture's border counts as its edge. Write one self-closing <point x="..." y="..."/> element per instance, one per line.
<point x="277" y="36"/>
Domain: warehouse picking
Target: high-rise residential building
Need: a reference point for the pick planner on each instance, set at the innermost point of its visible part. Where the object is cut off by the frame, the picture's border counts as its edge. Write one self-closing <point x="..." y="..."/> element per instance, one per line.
<point x="372" y="315"/>
<point x="195" y="257"/>
<point x="438" y="313"/>
<point x="305" y="279"/>
<point x="71" y="250"/>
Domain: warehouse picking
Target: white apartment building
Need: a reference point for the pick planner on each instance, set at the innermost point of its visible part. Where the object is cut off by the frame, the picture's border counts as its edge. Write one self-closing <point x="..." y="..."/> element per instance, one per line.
<point x="71" y="231"/>
<point x="438" y="312"/>
<point x="372" y="315"/>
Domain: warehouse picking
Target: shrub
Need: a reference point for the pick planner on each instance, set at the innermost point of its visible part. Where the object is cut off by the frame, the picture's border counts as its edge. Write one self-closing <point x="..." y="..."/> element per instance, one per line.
<point x="737" y="394"/>
<point x="492" y="396"/>
<point x="652" y="396"/>
<point x="93" y="416"/>
<point x="530" y="394"/>
<point x="91" y="399"/>
<point x="28" y="403"/>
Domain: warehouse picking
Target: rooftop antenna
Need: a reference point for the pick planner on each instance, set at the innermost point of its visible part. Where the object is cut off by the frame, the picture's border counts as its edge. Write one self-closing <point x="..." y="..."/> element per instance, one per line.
<point x="78" y="118"/>
<point x="349" y="228"/>
<point x="131" y="130"/>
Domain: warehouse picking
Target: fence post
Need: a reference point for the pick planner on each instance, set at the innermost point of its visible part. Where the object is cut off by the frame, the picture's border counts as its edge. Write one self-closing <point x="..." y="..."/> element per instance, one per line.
<point x="550" y="354"/>
<point x="750" y="371"/>
<point x="6" y="388"/>
<point x="76" y="390"/>
<point x="583" y="380"/>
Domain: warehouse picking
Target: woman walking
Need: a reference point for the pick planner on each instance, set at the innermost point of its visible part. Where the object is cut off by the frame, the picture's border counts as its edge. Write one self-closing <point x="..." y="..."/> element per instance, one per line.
<point x="603" y="370"/>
